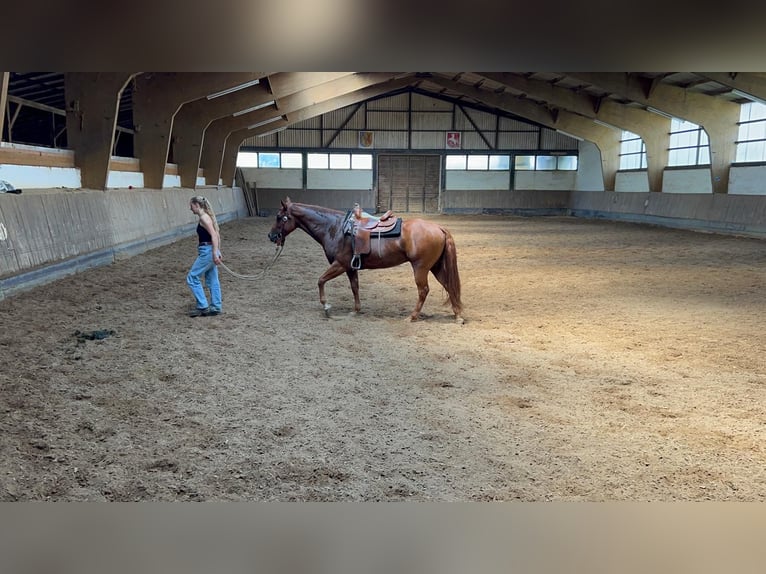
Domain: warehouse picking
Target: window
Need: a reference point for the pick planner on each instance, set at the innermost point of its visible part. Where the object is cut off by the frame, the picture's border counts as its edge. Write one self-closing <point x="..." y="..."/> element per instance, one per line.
<point x="567" y="163"/>
<point x="751" y="141"/>
<point x="455" y="162"/>
<point x="478" y="162"/>
<point x="502" y="162"/>
<point x="292" y="160"/>
<point x="689" y="144"/>
<point x="524" y="162"/>
<point x="317" y="161"/>
<point x="361" y="161"/>
<point x="339" y="161"/>
<point x="545" y="162"/>
<point x="632" y="151"/>
<point x="269" y="160"/>
<point x="247" y="159"/>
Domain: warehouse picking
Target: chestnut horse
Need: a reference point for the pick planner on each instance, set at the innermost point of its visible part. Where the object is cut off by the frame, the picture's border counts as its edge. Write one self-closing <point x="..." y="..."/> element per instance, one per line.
<point x="426" y="245"/>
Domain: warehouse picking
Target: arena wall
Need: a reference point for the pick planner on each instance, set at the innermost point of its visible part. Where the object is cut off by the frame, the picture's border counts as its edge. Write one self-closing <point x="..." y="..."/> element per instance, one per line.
<point x="46" y="234"/>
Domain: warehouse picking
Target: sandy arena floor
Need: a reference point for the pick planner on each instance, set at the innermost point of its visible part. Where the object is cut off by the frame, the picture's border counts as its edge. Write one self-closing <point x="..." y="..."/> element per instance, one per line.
<point x="598" y="361"/>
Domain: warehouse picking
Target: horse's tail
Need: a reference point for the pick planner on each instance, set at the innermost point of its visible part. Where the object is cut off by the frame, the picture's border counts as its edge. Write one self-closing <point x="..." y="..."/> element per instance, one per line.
<point x="449" y="276"/>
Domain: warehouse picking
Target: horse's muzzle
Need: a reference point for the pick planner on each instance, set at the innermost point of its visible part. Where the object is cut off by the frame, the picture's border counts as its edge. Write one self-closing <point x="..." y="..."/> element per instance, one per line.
<point x="276" y="237"/>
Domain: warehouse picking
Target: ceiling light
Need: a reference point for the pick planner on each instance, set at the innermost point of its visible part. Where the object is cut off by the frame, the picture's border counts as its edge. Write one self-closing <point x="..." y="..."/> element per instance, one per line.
<point x="606" y="125"/>
<point x="233" y="89"/>
<point x="578" y="138"/>
<point x="750" y="97"/>
<point x="283" y="128"/>
<point x="264" y="122"/>
<point x="254" y="108"/>
<point x="658" y="112"/>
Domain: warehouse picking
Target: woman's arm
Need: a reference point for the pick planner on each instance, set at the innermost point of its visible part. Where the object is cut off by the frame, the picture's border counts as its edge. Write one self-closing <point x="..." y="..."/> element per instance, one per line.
<point x="207" y="223"/>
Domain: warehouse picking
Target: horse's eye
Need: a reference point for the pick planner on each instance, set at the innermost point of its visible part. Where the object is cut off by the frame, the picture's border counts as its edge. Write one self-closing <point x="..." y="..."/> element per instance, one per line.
<point x="284" y="218"/>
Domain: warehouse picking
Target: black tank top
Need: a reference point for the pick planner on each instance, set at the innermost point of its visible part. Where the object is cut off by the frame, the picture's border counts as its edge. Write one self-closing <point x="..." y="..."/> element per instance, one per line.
<point x="203" y="234"/>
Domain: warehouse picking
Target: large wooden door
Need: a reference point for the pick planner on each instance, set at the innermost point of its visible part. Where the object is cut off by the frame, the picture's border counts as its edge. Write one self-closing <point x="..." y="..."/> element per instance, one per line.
<point x="408" y="183"/>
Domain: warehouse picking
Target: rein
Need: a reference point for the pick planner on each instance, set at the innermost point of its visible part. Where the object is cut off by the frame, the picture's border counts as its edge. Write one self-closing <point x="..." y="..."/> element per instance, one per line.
<point x="277" y="253"/>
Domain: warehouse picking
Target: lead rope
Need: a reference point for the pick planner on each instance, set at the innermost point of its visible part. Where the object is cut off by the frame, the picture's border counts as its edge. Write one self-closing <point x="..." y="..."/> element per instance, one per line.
<point x="277" y="253"/>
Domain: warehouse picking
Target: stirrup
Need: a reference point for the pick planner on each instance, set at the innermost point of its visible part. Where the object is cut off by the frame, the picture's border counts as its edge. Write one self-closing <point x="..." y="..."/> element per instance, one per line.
<point x="356" y="262"/>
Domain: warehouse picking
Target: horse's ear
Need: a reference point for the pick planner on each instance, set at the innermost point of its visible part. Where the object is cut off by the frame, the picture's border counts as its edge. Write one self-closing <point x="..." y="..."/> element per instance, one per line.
<point x="285" y="201"/>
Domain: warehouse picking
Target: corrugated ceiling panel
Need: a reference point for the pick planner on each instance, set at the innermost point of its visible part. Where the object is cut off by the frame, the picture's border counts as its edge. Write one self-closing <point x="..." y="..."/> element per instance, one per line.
<point x="510" y="124"/>
<point x="553" y="140"/>
<point x="483" y="120"/>
<point x="397" y="102"/>
<point x="387" y="121"/>
<point x="428" y="140"/>
<point x="266" y="141"/>
<point x="517" y="140"/>
<point x="300" y="138"/>
<point x="472" y="141"/>
<point x="422" y="103"/>
<point x="432" y="120"/>
<point x="391" y="140"/>
<point x="345" y="139"/>
<point x="349" y="117"/>
<point x="312" y="123"/>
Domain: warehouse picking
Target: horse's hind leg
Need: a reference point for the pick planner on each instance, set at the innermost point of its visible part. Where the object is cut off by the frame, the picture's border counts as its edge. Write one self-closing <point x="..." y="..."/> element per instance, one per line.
<point x="332" y="272"/>
<point x="353" y="278"/>
<point x="421" y="280"/>
<point x="441" y="276"/>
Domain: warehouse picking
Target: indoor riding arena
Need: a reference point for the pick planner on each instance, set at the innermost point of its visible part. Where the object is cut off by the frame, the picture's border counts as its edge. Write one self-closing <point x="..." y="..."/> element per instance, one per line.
<point x="611" y="347"/>
<point x="597" y="361"/>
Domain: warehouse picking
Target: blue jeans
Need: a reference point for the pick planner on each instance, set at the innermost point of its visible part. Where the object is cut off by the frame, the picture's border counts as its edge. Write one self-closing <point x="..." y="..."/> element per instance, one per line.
<point x="204" y="266"/>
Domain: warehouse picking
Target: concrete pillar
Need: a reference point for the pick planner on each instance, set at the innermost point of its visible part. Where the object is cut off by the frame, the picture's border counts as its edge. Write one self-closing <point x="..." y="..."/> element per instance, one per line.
<point x="4" y="80"/>
<point x="92" y="103"/>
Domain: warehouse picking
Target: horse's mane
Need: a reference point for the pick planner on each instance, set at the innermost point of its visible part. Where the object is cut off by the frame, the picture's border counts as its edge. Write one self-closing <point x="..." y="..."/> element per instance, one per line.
<point x="318" y="208"/>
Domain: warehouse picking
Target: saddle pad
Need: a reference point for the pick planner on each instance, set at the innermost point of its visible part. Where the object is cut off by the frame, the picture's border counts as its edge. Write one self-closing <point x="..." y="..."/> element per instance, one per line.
<point x="394" y="231"/>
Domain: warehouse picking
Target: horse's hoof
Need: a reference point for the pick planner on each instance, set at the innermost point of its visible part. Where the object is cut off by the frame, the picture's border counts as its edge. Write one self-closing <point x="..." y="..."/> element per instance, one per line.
<point x="459" y="320"/>
<point x="327" y="308"/>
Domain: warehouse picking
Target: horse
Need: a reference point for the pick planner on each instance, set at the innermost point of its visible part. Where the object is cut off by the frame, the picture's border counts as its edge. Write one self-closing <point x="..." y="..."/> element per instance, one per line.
<point x="427" y="246"/>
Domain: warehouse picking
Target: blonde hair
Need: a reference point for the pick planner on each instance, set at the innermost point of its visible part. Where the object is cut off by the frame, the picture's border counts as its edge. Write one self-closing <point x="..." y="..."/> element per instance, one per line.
<point x="203" y="202"/>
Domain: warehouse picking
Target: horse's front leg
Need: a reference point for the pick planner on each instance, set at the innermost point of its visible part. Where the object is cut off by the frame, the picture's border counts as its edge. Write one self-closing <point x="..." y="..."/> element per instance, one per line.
<point x="332" y="272"/>
<point x="353" y="278"/>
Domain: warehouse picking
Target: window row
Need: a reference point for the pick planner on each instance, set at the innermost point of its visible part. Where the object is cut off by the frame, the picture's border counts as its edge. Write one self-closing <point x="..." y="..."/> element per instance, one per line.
<point x="477" y="162"/>
<point x="293" y="160"/>
<point x="503" y="162"/>
<point x="689" y="143"/>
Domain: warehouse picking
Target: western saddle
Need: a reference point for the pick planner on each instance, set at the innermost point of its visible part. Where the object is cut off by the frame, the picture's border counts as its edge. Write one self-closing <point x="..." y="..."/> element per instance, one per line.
<point x="363" y="225"/>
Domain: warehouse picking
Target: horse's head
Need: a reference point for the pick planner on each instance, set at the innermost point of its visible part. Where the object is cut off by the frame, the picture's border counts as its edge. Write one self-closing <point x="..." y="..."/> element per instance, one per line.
<point x="284" y="225"/>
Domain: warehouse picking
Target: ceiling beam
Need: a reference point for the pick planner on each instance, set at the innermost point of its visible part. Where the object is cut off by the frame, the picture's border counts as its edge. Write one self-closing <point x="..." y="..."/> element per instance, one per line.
<point x="751" y="83"/>
<point x="653" y="129"/>
<point x="718" y="117"/>
<point x="193" y="118"/>
<point x="235" y="138"/>
<point x="218" y="131"/>
<point x="157" y="97"/>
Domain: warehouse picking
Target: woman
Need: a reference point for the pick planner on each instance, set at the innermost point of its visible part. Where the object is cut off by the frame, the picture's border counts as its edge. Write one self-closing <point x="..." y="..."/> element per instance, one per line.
<point x="208" y="257"/>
